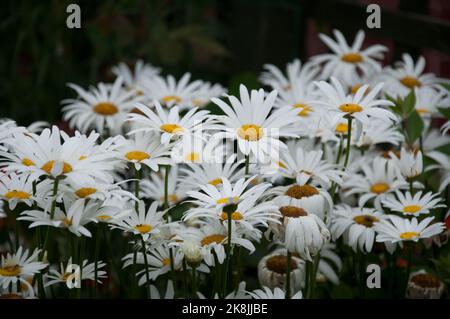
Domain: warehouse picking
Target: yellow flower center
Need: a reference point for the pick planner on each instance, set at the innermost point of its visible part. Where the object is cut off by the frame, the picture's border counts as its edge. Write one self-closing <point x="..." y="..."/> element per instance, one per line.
<point x="355" y="88"/>
<point x="216" y="238"/>
<point x="350" y="108"/>
<point x="82" y="158"/>
<point x="352" y="57"/>
<point x="137" y="156"/>
<point x="379" y="188"/>
<point x="410" y="82"/>
<point x="104" y="217"/>
<point x="426" y="281"/>
<point x="412" y="209"/>
<point x="278" y="264"/>
<point x="10" y="271"/>
<point x="197" y="102"/>
<point x="304" y="109"/>
<point x="422" y="111"/>
<point x="27" y="162"/>
<point x="298" y="192"/>
<point x="215" y="182"/>
<point x="47" y="167"/>
<point x="170" y="98"/>
<point x="226" y="200"/>
<point x="106" y="109"/>
<point x="166" y="262"/>
<point x="193" y="157"/>
<point x="67" y="222"/>
<point x="250" y="132"/>
<point x="16" y="194"/>
<point x="409" y="235"/>
<point x="281" y="164"/>
<point x="365" y="220"/>
<point x="171" y="128"/>
<point x="171" y="197"/>
<point x="341" y="128"/>
<point x="292" y="211"/>
<point x="85" y="192"/>
<point x="143" y="228"/>
<point x="234" y="216"/>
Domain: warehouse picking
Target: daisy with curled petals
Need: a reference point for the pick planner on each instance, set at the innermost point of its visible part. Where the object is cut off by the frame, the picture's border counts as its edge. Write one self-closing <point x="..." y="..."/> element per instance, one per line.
<point x="145" y="149"/>
<point x="133" y="78"/>
<point x="19" y="267"/>
<point x="153" y="187"/>
<point x="396" y="230"/>
<point x="76" y="215"/>
<point x="211" y="173"/>
<point x="408" y="75"/>
<point x="113" y="210"/>
<point x="67" y="273"/>
<point x="8" y="129"/>
<point x="16" y="188"/>
<point x="375" y="132"/>
<point x="362" y="106"/>
<point x="378" y="180"/>
<point x="347" y="62"/>
<point x="142" y="222"/>
<point x="169" y="92"/>
<point x="55" y="154"/>
<point x="205" y="93"/>
<point x="159" y="262"/>
<point x="356" y="225"/>
<point x="226" y="193"/>
<point x="197" y="149"/>
<point x="308" y="165"/>
<point x="102" y="107"/>
<point x="428" y="100"/>
<point x="277" y="293"/>
<point x="249" y="121"/>
<point x="409" y="163"/>
<point x="170" y="125"/>
<point x="410" y="205"/>
<point x="296" y="73"/>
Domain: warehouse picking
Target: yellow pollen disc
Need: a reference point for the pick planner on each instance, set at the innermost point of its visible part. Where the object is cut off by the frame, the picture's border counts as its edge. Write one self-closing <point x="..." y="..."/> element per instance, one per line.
<point x="365" y="220"/>
<point x="379" y="188"/>
<point x="171" y="128"/>
<point x="67" y="222"/>
<point x="304" y="109"/>
<point x="341" y="128"/>
<point x="27" y="162"/>
<point x="47" y="167"/>
<point x="410" y="82"/>
<point x="411" y="209"/>
<point x="143" y="228"/>
<point x="234" y="216"/>
<point x="82" y="158"/>
<point x="106" y="109"/>
<point x="350" y="108"/>
<point x="137" y="156"/>
<point x="355" y="88"/>
<point x="225" y="200"/>
<point x="171" y="197"/>
<point x="16" y="194"/>
<point x="217" y="239"/>
<point x="298" y="192"/>
<point x="352" y="58"/>
<point x="422" y="111"/>
<point x="10" y="271"/>
<point x="281" y="164"/>
<point x="85" y="192"/>
<point x="104" y="217"/>
<point x="192" y="157"/>
<point x="166" y="261"/>
<point x="170" y="98"/>
<point x="215" y="182"/>
<point x="426" y="281"/>
<point x="409" y="235"/>
<point x="197" y="102"/>
<point x="250" y="132"/>
<point x="292" y="211"/>
<point x="278" y="264"/>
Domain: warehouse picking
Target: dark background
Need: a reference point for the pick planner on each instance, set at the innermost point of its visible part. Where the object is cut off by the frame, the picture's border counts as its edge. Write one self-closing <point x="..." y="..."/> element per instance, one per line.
<point x="221" y="41"/>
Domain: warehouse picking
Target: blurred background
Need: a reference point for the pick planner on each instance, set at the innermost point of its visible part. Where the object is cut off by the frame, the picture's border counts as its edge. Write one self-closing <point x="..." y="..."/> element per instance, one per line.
<point x="221" y="41"/>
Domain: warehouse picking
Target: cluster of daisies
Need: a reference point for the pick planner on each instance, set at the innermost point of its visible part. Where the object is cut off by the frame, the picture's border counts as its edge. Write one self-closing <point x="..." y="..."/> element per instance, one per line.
<point x="156" y="196"/>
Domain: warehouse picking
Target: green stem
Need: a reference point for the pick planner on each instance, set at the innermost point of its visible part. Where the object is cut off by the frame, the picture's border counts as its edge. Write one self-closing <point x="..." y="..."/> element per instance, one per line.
<point x="137" y="188"/>
<point x="288" y="275"/>
<point x="147" y="277"/>
<point x="349" y="139"/>
<point x="166" y="188"/>
<point x="247" y="164"/>
<point x="194" y="281"/>
<point x="313" y="275"/>
<point x="228" y="257"/>
<point x="307" y="276"/>
<point x="96" y="252"/>
<point x="80" y="263"/>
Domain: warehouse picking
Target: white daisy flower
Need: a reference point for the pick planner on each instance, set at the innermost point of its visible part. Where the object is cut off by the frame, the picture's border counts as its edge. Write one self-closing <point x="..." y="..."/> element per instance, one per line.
<point x="16" y="189"/>
<point x="428" y="100"/>
<point x="153" y="187"/>
<point x="197" y="149"/>
<point x="445" y="128"/>
<point x="170" y="125"/>
<point x="69" y="272"/>
<point x="377" y="181"/>
<point x="145" y="149"/>
<point x="113" y="210"/>
<point x="409" y="163"/>
<point x="7" y="129"/>
<point x="356" y="225"/>
<point x="330" y="264"/>
<point x="410" y="205"/>
<point x="347" y="62"/>
<point x="248" y="121"/>
<point x="170" y="292"/>
<point x="133" y="78"/>
<point x="143" y="222"/>
<point x="443" y="165"/>
<point x="375" y="132"/>
<point x="169" y="92"/>
<point x="361" y="106"/>
<point x="395" y="230"/>
<point x="267" y="293"/>
<point x="101" y="108"/>
<point x="205" y="93"/>
<point x="19" y="267"/>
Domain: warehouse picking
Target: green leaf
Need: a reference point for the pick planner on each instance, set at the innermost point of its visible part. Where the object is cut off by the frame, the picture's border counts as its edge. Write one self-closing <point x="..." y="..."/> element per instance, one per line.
<point x="409" y="103"/>
<point x="414" y="126"/>
<point x="445" y="111"/>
